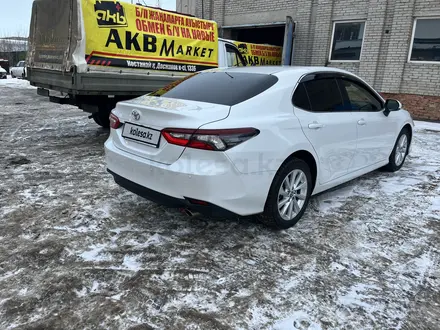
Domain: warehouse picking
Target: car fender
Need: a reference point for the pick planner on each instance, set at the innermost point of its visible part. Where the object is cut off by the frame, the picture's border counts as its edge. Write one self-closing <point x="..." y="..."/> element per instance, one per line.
<point x="408" y="121"/>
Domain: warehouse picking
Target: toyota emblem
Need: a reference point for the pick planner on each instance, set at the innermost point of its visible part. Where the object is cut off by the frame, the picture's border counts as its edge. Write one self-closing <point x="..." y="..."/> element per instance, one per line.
<point x="136" y="115"/>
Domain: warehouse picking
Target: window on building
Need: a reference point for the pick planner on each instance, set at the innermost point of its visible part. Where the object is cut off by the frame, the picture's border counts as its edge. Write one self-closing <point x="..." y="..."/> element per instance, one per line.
<point x="426" y="40"/>
<point x="347" y="41"/>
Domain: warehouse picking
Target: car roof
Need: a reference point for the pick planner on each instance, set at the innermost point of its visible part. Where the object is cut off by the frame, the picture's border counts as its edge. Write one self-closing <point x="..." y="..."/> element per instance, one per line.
<point x="281" y="70"/>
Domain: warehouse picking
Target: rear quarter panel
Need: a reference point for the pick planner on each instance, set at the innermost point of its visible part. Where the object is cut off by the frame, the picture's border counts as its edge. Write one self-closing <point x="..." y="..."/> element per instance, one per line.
<point x="280" y="131"/>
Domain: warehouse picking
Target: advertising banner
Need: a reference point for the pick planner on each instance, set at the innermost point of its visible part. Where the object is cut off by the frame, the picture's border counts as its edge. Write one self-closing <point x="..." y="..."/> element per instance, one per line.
<point x="120" y="34"/>
<point x="256" y="54"/>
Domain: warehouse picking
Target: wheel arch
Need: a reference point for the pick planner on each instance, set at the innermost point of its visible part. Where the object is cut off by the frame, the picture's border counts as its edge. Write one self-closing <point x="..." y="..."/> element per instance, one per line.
<point x="309" y="159"/>
<point x="410" y="130"/>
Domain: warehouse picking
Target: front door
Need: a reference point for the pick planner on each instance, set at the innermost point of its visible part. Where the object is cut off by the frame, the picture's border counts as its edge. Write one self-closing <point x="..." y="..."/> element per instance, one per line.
<point x="375" y="131"/>
<point x="330" y="129"/>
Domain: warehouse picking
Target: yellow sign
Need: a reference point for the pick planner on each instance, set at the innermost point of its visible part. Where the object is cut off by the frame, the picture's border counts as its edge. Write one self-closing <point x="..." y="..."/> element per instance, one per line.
<point x="123" y="35"/>
<point x="256" y="54"/>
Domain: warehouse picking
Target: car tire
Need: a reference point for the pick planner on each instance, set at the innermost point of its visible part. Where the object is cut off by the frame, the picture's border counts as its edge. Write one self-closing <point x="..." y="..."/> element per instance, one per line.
<point x="298" y="199"/>
<point x="400" y="151"/>
<point x="12" y="75"/>
<point x="102" y="118"/>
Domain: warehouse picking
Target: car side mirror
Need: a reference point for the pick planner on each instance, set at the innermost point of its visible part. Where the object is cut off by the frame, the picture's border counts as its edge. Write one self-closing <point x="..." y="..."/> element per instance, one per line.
<point x="391" y="105"/>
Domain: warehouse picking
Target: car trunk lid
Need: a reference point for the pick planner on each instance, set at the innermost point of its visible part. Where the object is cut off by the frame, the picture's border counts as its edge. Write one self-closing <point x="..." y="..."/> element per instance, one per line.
<point x="144" y="118"/>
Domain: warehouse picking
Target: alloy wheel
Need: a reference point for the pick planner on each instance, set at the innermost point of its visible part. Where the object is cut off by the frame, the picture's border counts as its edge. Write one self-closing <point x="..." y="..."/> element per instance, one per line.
<point x="292" y="194"/>
<point x="401" y="150"/>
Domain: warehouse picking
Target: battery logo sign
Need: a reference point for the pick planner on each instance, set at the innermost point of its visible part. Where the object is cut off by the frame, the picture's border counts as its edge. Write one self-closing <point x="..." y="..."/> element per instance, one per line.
<point x="110" y="14"/>
<point x="243" y="49"/>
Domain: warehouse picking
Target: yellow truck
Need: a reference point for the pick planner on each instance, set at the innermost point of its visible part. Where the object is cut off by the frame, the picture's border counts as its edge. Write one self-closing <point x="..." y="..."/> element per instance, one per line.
<point x="94" y="53"/>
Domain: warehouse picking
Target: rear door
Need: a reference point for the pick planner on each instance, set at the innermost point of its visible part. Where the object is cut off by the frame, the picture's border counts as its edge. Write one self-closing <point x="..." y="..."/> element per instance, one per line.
<point x="375" y="131"/>
<point x="328" y="126"/>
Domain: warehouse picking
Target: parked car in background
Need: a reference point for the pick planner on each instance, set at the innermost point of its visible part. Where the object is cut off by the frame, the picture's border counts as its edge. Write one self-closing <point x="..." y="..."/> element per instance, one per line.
<point x="18" y="71"/>
<point x="3" y="73"/>
<point x="255" y="140"/>
<point x="4" y="64"/>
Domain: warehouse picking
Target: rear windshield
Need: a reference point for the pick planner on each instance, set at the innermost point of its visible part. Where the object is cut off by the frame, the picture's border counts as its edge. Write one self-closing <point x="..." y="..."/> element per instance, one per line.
<point x="226" y="88"/>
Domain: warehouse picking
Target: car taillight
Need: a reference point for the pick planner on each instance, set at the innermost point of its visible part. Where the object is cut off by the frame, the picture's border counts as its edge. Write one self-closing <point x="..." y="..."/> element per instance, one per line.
<point x="114" y="121"/>
<point x="208" y="139"/>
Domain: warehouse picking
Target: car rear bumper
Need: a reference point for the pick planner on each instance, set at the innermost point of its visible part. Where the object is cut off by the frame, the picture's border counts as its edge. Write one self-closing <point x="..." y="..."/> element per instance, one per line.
<point x="157" y="197"/>
<point x="216" y="182"/>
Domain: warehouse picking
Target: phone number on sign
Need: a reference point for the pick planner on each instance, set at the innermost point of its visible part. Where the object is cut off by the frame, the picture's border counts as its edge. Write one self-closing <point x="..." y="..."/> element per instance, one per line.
<point x="190" y="68"/>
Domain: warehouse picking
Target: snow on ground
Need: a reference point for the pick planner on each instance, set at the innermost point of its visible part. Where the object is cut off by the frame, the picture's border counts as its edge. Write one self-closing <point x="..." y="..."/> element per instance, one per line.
<point x="426" y="126"/>
<point x="15" y="83"/>
<point x="78" y="252"/>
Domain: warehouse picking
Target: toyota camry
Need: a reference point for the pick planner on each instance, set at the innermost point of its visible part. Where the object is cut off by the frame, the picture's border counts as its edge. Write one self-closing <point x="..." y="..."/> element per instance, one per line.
<point x="254" y="140"/>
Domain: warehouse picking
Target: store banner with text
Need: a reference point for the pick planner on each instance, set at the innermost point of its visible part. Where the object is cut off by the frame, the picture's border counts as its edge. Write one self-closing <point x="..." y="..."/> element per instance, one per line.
<point x="256" y="54"/>
<point x="120" y="34"/>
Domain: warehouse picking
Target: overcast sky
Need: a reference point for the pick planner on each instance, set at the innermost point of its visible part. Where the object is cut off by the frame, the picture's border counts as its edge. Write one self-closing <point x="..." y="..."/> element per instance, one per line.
<point x="16" y="15"/>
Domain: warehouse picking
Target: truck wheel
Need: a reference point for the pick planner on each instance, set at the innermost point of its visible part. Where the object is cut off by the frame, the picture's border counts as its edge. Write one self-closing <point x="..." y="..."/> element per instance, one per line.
<point x="101" y="118"/>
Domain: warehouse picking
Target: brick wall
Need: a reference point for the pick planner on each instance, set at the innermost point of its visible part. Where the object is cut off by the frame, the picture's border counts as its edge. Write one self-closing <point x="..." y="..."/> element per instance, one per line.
<point x="387" y="38"/>
<point x="234" y="7"/>
<point x="420" y="106"/>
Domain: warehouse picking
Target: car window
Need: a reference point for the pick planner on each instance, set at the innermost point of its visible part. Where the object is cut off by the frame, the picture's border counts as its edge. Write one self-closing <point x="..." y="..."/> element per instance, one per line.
<point x="300" y="98"/>
<point x="218" y="87"/>
<point x="359" y="98"/>
<point x="233" y="57"/>
<point x="324" y="95"/>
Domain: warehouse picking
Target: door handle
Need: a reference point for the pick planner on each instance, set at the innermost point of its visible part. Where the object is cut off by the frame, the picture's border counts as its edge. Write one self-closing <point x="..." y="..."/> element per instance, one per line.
<point x="362" y="122"/>
<point x="315" y="125"/>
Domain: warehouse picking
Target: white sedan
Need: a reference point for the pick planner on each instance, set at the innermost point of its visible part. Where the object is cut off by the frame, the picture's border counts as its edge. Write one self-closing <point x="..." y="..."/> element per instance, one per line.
<point x="254" y="140"/>
<point x="18" y="71"/>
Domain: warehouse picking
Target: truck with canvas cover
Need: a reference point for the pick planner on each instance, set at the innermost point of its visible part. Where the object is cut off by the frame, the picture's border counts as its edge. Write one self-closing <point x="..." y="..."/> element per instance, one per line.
<point x="94" y="53"/>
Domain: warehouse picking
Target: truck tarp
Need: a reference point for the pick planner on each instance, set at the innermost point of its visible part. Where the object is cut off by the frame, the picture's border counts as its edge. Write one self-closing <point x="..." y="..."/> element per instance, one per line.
<point x="107" y="35"/>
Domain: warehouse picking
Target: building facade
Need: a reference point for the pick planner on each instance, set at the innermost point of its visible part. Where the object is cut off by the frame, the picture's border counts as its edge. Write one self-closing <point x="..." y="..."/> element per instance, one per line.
<point x="393" y="44"/>
<point x="12" y="50"/>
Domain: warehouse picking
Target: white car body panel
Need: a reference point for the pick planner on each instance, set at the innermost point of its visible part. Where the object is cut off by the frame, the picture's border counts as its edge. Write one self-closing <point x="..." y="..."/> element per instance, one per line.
<point x="18" y="71"/>
<point x="334" y="142"/>
<point x="239" y="179"/>
<point x="375" y="137"/>
<point x="196" y="174"/>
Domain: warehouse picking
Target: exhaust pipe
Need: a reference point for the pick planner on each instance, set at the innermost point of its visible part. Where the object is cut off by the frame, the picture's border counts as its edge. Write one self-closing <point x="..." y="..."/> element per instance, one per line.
<point x="190" y="213"/>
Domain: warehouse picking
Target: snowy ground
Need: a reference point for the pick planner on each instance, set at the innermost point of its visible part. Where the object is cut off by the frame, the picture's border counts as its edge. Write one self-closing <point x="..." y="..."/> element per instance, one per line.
<point x="78" y="252"/>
